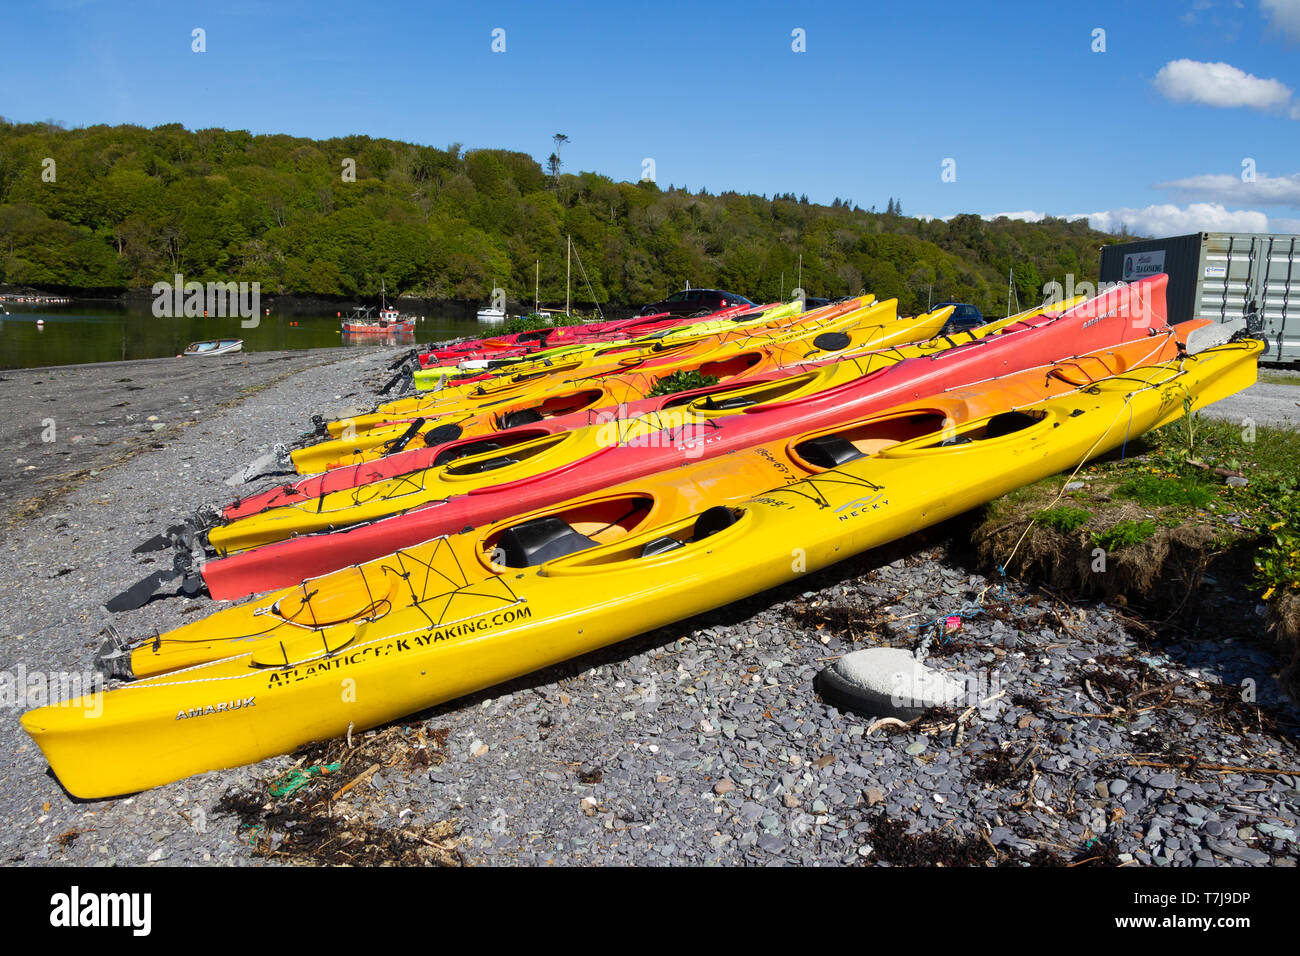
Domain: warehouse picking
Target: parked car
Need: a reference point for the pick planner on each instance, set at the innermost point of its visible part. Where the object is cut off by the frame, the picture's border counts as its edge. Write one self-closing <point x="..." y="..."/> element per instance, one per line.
<point x="964" y="317"/>
<point x="691" y="301"/>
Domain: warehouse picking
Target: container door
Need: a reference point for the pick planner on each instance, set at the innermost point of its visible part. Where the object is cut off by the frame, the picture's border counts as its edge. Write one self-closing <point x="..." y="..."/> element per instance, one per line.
<point x="1226" y="277"/>
<point x="1277" y="290"/>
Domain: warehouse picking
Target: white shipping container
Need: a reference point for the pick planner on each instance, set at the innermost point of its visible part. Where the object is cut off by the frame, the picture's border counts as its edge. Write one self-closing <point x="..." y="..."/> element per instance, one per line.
<point x="1223" y="276"/>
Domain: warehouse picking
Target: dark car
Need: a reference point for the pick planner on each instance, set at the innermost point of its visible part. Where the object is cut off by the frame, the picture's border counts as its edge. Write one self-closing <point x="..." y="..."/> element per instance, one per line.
<point x="964" y="317"/>
<point x="815" y="302"/>
<point x="692" y="301"/>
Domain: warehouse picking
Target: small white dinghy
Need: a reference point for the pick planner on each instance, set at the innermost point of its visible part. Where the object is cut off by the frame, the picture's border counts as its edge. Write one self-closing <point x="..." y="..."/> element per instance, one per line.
<point x="215" y="347"/>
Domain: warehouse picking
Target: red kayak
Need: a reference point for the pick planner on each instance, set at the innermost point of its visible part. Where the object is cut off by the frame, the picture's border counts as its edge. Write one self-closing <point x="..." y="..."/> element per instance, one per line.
<point x="1120" y="315"/>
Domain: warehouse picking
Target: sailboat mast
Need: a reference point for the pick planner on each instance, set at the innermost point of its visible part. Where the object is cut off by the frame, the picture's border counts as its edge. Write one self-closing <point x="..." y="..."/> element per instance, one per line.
<point x="568" y="270"/>
<point x="537" y="283"/>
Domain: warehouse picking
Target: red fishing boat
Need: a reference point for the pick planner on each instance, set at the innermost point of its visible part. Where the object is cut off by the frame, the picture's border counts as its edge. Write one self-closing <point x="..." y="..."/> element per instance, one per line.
<point x="390" y="321"/>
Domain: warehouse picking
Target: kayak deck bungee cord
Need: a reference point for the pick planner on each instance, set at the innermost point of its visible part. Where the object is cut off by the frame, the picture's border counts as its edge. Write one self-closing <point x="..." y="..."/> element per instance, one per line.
<point x="457" y="633"/>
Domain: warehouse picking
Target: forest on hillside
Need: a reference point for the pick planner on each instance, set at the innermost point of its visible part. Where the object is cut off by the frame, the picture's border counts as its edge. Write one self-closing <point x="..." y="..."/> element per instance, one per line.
<point x="118" y="207"/>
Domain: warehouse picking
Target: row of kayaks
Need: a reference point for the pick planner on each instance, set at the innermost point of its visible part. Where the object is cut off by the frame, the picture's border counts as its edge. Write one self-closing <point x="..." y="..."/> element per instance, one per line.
<point x="549" y="505"/>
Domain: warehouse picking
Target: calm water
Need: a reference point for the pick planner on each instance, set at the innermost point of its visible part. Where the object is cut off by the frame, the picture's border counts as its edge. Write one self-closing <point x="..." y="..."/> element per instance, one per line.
<point x="103" y="332"/>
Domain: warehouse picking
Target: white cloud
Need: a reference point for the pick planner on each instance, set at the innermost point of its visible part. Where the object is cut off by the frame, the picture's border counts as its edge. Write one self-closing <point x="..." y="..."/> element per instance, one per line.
<point x="1028" y="215"/>
<point x="1284" y="16"/>
<point x="1225" y="188"/>
<point x="1220" y="84"/>
<point x="1166" y="219"/>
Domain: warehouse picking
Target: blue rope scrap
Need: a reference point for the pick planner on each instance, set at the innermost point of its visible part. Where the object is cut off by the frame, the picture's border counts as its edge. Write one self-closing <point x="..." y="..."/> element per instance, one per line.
<point x="966" y="613"/>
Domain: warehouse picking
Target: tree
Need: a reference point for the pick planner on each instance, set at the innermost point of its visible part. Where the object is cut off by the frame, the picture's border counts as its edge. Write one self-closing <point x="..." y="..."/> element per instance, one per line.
<point x="132" y="205"/>
<point x="560" y="140"/>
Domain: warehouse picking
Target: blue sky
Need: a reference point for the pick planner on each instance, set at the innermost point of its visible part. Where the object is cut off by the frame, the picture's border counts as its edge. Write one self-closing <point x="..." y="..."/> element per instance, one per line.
<point x="1152" y="132"/>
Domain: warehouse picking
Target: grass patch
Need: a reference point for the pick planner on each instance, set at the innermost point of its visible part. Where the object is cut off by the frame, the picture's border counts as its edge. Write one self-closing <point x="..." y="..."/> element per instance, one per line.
<point x="1177" y="477"/>
<point x="1154" y="490"/>
<point x="1063" y="518"/>
<point x="532" y="322"/>
<point x="1164" y="511"/>
<point x="1124" y="534"/>
<point x="683" y="381"/>
<point x="1277" y="565"/>
<point x="1279" y="378"/>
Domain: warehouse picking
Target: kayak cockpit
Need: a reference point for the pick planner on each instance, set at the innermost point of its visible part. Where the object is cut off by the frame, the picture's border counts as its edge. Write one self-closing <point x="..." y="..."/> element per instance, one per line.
<point x="493" y="459"/>
<point x="681" y="537"/>
<point x="1004" y="426"/>
<point x="745" y="396"/>
<point x="589" y="524"/>
<point x="838" y="446"/>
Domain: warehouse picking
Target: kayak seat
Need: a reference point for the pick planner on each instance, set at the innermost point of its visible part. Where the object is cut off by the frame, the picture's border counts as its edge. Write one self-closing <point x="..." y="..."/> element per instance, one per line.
<point x="540" y="540"/>
<point x="832" y="341"/>
<point x="522" y="416"/>
<point x="715" y="519"/>
<point x="661" y="546"/>
<point x="464" y="451"/>
<point x="827" y="451"/>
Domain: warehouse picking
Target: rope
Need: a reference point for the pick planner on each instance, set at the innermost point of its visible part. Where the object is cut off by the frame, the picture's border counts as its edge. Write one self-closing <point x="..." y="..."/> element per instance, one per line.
<point x="1128" y="404"/>
<point x="292" y="781"/>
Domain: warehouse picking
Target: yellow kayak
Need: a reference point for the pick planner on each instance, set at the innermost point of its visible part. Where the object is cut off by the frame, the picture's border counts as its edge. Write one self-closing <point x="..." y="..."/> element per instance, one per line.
<point x="459" y="632"/>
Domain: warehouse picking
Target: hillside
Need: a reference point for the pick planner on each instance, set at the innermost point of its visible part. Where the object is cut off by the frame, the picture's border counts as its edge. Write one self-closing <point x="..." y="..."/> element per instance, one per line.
<point x="129" y="206"/>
